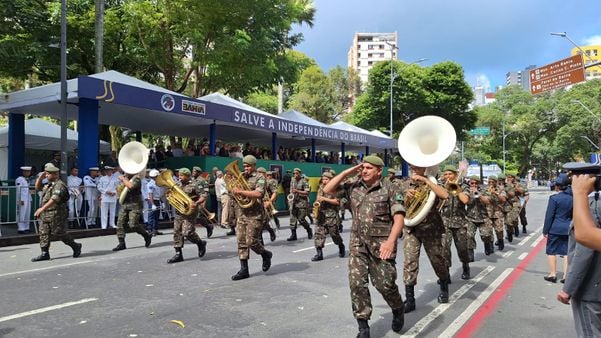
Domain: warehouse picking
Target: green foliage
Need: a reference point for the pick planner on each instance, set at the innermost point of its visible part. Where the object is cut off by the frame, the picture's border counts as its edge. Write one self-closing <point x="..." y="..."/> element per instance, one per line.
<point x="267" y="101"/>
<point x="314" y="95"/>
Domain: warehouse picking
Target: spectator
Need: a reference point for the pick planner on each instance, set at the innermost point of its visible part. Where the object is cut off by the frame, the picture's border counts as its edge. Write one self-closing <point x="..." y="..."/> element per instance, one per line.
<point x="235" y="153"/>
<point x="204" y="151"/>
<point x="160" y="156"/>
<point x="190" y="150"/>
<point x="177" y="150"/>
<point x="222" y="199"/>
<point x="556" y="227"/>
<point x="225" y="150"/>
<point x="169" y="153"/>
<point x="112" y="160"/>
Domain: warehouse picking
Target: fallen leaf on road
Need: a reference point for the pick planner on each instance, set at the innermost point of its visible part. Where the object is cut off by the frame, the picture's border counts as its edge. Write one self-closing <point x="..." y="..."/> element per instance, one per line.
<point x="178" y="322"/>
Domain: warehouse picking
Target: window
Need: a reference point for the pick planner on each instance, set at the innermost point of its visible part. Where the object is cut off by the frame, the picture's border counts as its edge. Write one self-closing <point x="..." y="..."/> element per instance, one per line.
<point x="370" y="46"/>
<point x="595" y="52"/>
<point x="587" y="52"/>
<point x="370" y="63"/>
<point x="370" y="55"/>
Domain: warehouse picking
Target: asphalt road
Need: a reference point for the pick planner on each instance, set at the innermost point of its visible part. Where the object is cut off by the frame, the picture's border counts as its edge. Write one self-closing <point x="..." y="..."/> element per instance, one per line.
<point x="134" y="293"/>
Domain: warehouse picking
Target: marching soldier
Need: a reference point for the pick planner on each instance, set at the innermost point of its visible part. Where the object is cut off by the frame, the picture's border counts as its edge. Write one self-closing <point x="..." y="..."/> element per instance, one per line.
<point x="478" y="218"/>
<point x="524" y="196"/>
<point x="23" y="200"/>
<point x="495" y="209"/>
<point x="249" y="223"/>
<point x="327" y="219"/>
<point x="299" y="187"/>
<point x="455" y="222"/>
<point x="203" y="185"/>
<point x="391" y="178"/>
<point x="272" y="193"/>
<point x="131" y="211"/>
<point x="428" y="232"/>
<point x="511" y="215"/>
<point x="377" y="223"/>
<point x="266" y="215"/>
<point x="53" y="213"/>
<point x="517" y="207"/>
<point x="183" y="226"/>
<point x="91" y="195"/>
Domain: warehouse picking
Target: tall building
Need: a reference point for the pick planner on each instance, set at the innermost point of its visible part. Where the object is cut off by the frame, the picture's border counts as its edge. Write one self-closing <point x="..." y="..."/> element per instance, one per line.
<point x="591" y="54"/>
<point x="520" y="78"/>
<point x="369" y="48"/>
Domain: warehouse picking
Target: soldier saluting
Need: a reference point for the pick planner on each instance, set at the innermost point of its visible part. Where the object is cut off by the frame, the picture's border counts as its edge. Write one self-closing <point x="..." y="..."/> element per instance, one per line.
<point x="377" y="223"/>
<point x="53" y="213"/>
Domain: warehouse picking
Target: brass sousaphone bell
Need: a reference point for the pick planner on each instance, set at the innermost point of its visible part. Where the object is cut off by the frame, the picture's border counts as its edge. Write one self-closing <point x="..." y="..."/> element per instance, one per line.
<point x="133" y="158"/>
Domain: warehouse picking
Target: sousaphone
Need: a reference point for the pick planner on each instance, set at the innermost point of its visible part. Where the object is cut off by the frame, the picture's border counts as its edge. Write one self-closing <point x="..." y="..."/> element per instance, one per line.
<point x="133" y="158"/>
<point x="425" y="142"/>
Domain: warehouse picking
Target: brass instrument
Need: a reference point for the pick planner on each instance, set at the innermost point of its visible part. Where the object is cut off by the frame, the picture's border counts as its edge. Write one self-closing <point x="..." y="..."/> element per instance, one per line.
<point x="175" y="195"/>
<point x="269" y="207"/>
<point x="453" y="187"/>
<point x="133" y="158"/>
<point x="317" y="205"/>
<point x="425" y="142"/>
<point x="290" y="199"/>
<point x="206" y="213"/>
<point x="234" y="179"/>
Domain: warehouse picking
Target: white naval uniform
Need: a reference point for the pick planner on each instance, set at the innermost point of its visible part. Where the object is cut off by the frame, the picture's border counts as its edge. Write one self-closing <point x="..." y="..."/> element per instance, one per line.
<point x="23" y="202"/>
<point x="146" y="210"/>
<point x="108" y="203"/>
<point x="91" y="197"/>
<point x="75" y="197"/>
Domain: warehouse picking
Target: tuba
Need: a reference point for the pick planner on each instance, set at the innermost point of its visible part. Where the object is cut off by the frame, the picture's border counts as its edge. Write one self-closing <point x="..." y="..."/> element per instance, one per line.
<point x="175" y="195"/>
<point x="133" y="158"/>
<point x="425" y="142"/>
<point x="234" y="179"/>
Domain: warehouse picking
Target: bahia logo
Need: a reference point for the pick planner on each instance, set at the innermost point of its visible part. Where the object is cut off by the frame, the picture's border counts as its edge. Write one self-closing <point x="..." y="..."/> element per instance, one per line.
<point x="167" y="102"/>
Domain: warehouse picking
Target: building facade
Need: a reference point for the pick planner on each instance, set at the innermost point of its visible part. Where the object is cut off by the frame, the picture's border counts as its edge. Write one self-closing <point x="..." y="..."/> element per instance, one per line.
<point x="592" y="54"/>
<point x="369" y="48"/>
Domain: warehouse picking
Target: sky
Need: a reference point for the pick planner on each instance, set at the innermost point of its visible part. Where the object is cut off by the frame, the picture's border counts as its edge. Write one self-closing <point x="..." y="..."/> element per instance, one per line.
<point x="487" y="38"/>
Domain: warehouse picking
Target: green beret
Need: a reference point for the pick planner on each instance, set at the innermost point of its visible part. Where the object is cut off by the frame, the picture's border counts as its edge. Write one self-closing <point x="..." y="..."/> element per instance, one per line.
<point x="511" y="175"/>
<point x="374" y="160"/>
<point x="199" y="169"/>
<point x="269" y="172"/>
<point x="297" y="169"/>
<point x="327" y="174"/>
<point x="249" y="159"/>
<point x="49" y="167"/>
<point x="450" y="167"/>
<point x="475" y="178"/>
<point x="501" y="176"/>
<point x="185" y="171"/>
<point x="333" y="172"/>
<point x="261" y="170"/>
<point x="492" y="177"/>
<point x="391" y="171"/>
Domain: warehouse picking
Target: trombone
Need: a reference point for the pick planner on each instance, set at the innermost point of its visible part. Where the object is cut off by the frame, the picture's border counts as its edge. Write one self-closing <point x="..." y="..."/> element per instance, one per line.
<point x="206" y="213"/>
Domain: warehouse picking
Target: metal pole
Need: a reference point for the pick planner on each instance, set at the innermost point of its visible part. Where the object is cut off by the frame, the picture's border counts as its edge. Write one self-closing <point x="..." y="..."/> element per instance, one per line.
<point x="586" y="108"/>
<point x="504" y="144"/>
<point x="63" y="168"/>
<point x="99" y="35"/>
<point x="391" y="82"/>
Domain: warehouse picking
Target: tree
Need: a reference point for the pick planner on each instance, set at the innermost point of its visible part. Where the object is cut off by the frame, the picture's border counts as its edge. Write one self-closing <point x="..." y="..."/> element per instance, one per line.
<point x="314" y="95"/>
<point x="346" y="85"/>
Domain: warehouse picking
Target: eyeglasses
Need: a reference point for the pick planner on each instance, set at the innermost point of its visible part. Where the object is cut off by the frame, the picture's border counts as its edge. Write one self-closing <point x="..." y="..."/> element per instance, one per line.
<point x="473" y="183"/>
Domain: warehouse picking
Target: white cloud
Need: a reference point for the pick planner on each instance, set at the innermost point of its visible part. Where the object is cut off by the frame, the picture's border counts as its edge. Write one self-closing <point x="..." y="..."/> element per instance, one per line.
<point x="483" y="81"/>
<point x="592" y="40"/>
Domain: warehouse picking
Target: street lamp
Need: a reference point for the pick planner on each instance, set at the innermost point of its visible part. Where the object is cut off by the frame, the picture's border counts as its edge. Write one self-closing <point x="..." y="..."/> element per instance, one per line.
<point x="586" y="108"/>
<point x="504" y="151"/>
<point x="590" y="141"/>
<point x="565" y="35"/>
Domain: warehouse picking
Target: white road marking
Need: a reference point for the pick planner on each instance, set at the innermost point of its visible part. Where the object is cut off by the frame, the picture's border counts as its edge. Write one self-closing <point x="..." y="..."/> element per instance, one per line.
<point x="527" y="238"/>
<point x="535" y="243"/>
<point x="440" y="309"/>
<point x="310" y="248"/>
<point x="523" y="255"/>
<point x="45" y="268"/>
<point x="46" y="309"/>
<point x="458" y="323"/>
<point x="507" y="254"/>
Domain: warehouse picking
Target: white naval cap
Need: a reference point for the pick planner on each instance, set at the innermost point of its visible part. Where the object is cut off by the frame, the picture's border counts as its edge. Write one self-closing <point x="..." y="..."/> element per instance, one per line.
<point x="27" y="168"/>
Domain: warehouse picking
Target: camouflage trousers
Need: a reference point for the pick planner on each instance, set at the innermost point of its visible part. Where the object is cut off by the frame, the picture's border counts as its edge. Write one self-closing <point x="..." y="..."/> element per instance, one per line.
<point x="459" y="236"/>
<point x="512" y="218"/>
<point x="497" y="225"/>
<point x="248" y="234"/>
<point x="486" y="234"/>
<point x="183" y="228"/>
<point x="129" y="214"/>
<point x="298" y="215"/>
<point x="233" y="213"/>
<point x="52" y="230"/>
<point x="325" y="226"/>
<point x="383" y="277"/>
<point x="431" y="238"/>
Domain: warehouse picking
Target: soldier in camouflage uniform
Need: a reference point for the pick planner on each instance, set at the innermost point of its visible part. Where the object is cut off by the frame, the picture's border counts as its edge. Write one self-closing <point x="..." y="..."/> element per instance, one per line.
<point x="266" y="215"/>
<point x="428" y="232"/>
<point x="327" y="219"/>
<point x="524" y="196"/>
<point x="272" y="194"/>
<point x="250" y="221"/>
<point x="300" y="188"/>
<point x="130" y="211"/>
<point x="478" y="217"/>
<point x="390" y="178"/>
<point x="455" y="222"/>
<point x="511" y="214"/>
<point x="518" y="191"/>
<point x="53" y="213"/>
<point x="377" y="224"/>
<point x="183" y="225"/>
<point x="203" y="186"/>
<point x="495" y="209"/>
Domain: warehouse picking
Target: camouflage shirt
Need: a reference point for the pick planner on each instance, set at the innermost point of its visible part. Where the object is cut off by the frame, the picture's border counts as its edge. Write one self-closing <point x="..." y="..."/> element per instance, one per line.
<point x="373" y="208"/>
<point x="191" y="189"/>
<point x="271" y="187"/>
<point x="134" y="195"/>
<point x="495" y="208"/>
<point x="256" y="182"/>
<point x="202" y="184"/>
<point x="327" y="209"/>
<point x="453" y="211"/>
<point x="476" y="209"/>
<point x="58" y="192"/>
<point x="301" y="185"/>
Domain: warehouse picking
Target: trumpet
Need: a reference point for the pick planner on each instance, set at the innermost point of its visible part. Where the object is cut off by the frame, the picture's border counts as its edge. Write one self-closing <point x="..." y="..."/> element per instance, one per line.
<point x="269" y="207"/>
<point x="206" y="213"/>
<point x="315" y="212"/>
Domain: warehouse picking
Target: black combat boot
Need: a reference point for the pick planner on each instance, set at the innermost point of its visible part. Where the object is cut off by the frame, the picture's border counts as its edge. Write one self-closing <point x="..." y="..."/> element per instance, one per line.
<point x="509" y="235"/>
<point x="202" y="248"/>
<point x="209" y="230"/>
<point x="341" y="250"/>
<point x="310" y="218"/>
<point x="516" y="232"/>
<point x="243" y="273"/>
<point x="292" y="235"/>
<point x="524" y="229"/>
<point x="363" y="328"/>
<point x="76" y="248"/>
<point x="409" y="298"/>
<point x="309" y="232"/>
<point x="318" y="256"/>
<point x="178" y="257"/>
<point x="398" y="319"/>
<point x="443" y="297"/>
<point x="272" y="236"/>
<point x="277" y="222"/>
<point x="488" y="248"/>
<point x="340" y="227"/>
<point x="501" y="244"/>
<point x="45" y="256"/>
<point x="232" y="232"/>
<point x="466" y="271"/>
<point x="121" y="245"/>
<point x="470" y="254"/>
<point x="266" y="260"/>
<point x="147" y="239"/>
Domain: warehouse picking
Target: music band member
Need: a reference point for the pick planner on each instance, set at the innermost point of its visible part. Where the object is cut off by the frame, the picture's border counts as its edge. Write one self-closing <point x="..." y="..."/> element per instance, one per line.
<point x="203" y="185"/>
<point x="183" y="225"/>
<point x="429" y="233"/>
<point x="455" y="221"/>
<point x="377" y="223"/>
<point x="511" y="213"/>
<point x="266" y="215"/>
<point x="327" y="219"/>
<point x="495" y="209"/>
<point x="131" y="211"/>
<point x="300" y="189"/>
<point x="53" y="213"/>
<point x="23" y="200"/>
<point x="272" y="194"/>
<point x="249" y="224"/>
<point x="478" y="218"/>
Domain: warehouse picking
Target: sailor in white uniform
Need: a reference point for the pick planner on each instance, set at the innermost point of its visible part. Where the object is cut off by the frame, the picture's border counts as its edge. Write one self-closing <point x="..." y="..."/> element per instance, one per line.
<point x="107" y="186"/>
<point x="91" y="195"/>
<point x="23" y="200"/>
<point x="74" y="183"/>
